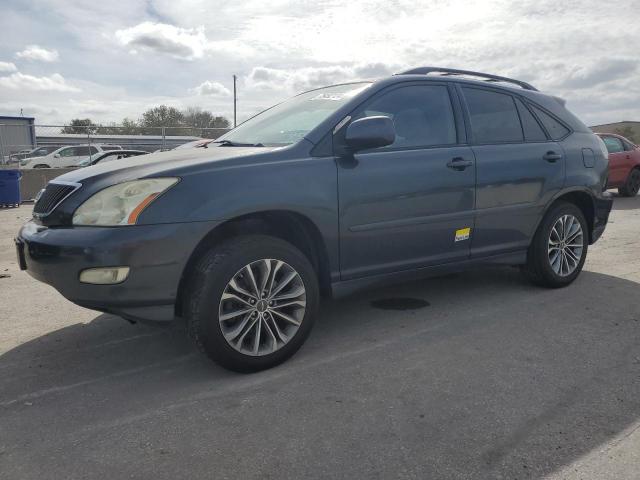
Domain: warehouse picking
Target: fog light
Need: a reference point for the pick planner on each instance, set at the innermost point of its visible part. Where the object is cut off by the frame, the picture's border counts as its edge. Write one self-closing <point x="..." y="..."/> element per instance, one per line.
<point x="105" y="275"/>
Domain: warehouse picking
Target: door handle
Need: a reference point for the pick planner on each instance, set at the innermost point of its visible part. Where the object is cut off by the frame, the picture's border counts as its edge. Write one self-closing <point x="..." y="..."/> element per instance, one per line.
<point x="552" y="156"/>
<point x="459" y="163"/>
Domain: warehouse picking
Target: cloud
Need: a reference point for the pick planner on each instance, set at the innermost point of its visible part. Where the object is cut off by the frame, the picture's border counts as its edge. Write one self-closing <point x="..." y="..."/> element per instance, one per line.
<point x="52" y="83"/>
<point x="604" y="71"/>
<point x="7" y="67"/>
<point x="182" y="43"/>
<point x="282" y="47"/>
<point x="297" y="80"/>
<point x="39" y="54"/>
<point x="209" y="88"/>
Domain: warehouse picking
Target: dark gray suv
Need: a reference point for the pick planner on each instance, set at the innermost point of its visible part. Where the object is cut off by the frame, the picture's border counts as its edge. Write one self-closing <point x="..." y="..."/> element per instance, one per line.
<point x="334" y="190"/>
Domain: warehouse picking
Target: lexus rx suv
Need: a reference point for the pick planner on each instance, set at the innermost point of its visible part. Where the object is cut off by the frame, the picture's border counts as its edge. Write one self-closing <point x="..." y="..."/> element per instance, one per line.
<point x="337" y="189"/>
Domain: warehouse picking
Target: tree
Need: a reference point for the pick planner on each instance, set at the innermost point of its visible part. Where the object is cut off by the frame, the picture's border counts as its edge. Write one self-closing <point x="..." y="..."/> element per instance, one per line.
<point x="196" y="117"/>
<point x="80" y="125"/>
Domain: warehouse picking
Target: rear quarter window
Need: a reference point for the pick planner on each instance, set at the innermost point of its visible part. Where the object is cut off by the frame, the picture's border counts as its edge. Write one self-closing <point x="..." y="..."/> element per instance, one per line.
<point x="553" y="127"/>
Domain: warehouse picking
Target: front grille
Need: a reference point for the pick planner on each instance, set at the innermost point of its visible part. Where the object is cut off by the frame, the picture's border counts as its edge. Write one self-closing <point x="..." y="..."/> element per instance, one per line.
<point x="51" y="197"/>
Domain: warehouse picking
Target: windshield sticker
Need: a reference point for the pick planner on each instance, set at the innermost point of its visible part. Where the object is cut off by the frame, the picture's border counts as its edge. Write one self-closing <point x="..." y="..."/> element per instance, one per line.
<point x="334" y="97"/>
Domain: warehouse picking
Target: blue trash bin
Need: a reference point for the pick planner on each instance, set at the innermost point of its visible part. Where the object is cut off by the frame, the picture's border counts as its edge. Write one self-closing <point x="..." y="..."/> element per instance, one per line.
<point x="10" y="188"/>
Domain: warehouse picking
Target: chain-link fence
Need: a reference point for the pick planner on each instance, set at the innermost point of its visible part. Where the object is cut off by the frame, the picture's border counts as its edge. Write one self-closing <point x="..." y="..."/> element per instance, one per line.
<point x="64" y="146"/>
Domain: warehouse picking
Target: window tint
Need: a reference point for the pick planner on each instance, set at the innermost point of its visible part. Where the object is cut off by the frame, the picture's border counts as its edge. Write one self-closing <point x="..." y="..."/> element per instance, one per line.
<point x="614" y="145"/>
<point x="422" y="115"/>
<point x="532" y="130"/>
<point x="82" y="151"/>
<point x="494" y="117"/>
<point x="555" y="129"/>
<point x="67" y="152"/>
<point x="107" y="148"/>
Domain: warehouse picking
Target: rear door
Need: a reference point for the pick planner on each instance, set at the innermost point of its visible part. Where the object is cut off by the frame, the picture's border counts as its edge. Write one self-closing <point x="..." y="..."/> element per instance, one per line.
<point x="401" y="205"/>
<point x="519" y="169"/>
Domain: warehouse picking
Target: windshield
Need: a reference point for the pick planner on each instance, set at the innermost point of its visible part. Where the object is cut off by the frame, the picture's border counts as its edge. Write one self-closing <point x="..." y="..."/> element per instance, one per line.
<point x="289" y="121"/>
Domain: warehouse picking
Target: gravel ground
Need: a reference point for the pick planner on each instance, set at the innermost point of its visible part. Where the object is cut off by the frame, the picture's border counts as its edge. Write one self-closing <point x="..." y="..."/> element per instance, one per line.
<point x="484" y="377"/>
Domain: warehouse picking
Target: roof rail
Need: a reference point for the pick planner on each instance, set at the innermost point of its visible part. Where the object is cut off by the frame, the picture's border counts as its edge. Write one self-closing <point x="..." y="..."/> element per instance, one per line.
<point x="453" y="71"/>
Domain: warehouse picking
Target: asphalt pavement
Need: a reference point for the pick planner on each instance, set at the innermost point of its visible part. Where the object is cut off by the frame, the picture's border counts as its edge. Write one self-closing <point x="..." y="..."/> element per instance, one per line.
<point x="474" y="375"/>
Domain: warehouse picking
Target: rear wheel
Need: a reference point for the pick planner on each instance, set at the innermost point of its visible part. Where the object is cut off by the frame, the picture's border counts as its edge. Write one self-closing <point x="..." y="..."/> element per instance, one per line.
<point x="632" y="185"/>
<point x="559" y="248"/>
<point x="251" y="302"/>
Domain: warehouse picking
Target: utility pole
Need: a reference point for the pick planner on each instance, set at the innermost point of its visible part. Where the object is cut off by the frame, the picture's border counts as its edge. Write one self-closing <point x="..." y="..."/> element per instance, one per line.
<point x="235" y="102"/>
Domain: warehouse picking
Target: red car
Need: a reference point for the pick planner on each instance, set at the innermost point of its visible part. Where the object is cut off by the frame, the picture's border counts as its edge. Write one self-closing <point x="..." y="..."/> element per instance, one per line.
<point x="624" y="164"/>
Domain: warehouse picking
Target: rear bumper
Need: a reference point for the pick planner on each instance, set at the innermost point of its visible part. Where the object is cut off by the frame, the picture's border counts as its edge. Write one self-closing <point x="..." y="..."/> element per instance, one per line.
<point x="603" y="207"/>
<point x="156" y="255"/>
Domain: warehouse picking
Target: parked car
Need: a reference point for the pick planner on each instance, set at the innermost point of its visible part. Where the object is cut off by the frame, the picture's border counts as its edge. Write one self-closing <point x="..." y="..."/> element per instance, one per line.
<point x="68" y="156"/>
<point x="337" y="189"/>
<point x="110" y="155"/>
<point x="624" y="164"/>
<point x="36" y="152"/>
<point x="15" y="157"/>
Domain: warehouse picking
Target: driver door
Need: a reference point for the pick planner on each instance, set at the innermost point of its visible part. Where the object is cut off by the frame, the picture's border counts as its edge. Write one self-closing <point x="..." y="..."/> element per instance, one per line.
<point x="410" y="204"/>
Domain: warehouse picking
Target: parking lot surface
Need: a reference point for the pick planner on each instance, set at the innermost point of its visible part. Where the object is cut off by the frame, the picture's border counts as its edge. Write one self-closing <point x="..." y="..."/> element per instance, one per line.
<point x="472" y="375"/>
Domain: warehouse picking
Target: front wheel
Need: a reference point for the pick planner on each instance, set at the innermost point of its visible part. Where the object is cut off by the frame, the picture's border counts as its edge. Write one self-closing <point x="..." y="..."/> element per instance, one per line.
<point x="559" y="248"/>
<point x="632" y="185"/>
<point x="251" y="302"/>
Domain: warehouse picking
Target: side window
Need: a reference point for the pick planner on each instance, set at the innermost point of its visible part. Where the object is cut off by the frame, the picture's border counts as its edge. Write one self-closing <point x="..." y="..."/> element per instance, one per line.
<point x="614" y="145"/>
<point x="556" y="129"/>
<point x="94" y="150"/>
<point x="422" y="115"/>
<point x="628" y="147"/>
<point x="532" y="130"/>
<point x="494" y="117"/>
<point x="82" y="151"/>
<point x="68" y="152"/>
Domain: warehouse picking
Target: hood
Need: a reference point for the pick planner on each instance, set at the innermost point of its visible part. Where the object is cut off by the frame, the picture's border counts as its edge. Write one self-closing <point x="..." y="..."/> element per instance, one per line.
<point x="170" y="163"/>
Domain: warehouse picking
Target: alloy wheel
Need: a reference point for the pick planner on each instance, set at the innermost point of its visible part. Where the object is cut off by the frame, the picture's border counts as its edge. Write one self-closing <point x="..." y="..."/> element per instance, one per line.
<point x="566" y="244"/>
<point x="262" y="307"/>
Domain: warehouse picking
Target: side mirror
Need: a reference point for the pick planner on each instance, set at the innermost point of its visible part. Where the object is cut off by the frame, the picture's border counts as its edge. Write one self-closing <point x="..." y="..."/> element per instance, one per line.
<point x="370" y="132"/>
<point x="57" y="155"/>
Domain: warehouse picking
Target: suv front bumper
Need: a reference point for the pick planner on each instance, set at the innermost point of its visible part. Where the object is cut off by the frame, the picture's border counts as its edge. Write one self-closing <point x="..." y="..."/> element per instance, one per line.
<point x="156" y="255"/>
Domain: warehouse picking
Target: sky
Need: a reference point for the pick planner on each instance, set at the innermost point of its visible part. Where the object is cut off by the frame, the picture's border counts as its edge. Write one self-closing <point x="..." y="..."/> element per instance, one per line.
<point x="106" y="60"/>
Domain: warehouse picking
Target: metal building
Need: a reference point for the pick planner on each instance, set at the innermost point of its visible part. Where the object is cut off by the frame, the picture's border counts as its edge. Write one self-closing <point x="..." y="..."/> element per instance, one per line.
<point x="16" y="134"/>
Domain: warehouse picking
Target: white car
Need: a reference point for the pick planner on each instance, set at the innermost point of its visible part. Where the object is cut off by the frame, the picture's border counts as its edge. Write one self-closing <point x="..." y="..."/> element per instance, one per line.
<point x="68" y="156"/>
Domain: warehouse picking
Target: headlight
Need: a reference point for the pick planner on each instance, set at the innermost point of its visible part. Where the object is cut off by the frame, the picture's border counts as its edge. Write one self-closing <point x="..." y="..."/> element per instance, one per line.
<point x="121" y="204"/>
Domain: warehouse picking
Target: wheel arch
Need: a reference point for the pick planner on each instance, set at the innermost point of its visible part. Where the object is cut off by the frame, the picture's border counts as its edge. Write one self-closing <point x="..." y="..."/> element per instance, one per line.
<point x="290" y="226"/>
<point x="581" y="198"/>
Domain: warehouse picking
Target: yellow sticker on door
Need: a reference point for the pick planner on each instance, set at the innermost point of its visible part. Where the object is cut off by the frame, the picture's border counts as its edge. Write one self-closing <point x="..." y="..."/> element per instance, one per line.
<point x="463" y="234"/>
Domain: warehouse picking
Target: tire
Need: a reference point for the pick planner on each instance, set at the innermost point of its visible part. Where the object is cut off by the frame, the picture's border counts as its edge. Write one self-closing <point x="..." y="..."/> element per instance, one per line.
<point x="543" y="267"/>
<point x="632" y="184"/>
<point x="223" y="270"/>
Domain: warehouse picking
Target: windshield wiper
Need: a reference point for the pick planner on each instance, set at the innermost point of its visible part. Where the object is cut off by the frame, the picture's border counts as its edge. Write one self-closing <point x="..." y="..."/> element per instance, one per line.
<point x="229" y="143"/>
